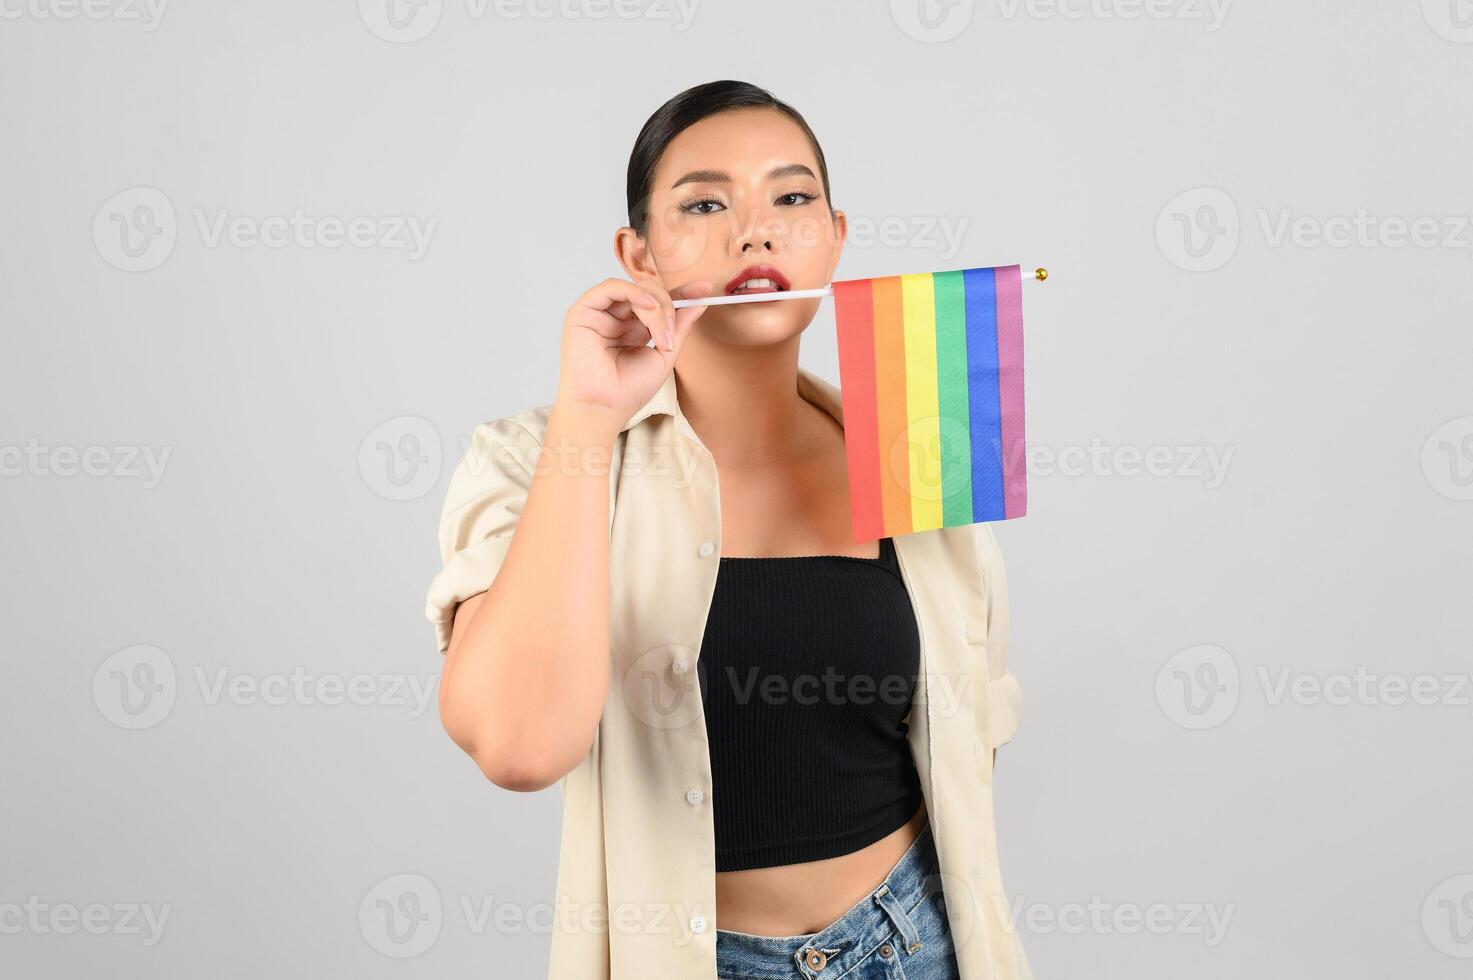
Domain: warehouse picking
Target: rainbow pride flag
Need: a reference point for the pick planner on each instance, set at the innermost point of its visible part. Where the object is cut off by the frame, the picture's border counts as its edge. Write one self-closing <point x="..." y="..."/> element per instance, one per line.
<point x="931" y="378"/>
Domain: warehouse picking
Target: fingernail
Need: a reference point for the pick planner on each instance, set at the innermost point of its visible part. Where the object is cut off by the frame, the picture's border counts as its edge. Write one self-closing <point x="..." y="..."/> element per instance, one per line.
<point x="670" y="331"/>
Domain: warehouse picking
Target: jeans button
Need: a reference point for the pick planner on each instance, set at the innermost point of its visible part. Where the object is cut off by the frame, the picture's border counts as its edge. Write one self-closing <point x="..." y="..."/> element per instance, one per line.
<point x="887" y="951"/>
<point x="816" y="959"/>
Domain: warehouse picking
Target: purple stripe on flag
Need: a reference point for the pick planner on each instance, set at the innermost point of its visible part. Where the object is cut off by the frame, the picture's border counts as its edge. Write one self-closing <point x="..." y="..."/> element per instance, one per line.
<point x="1010" y="388"/>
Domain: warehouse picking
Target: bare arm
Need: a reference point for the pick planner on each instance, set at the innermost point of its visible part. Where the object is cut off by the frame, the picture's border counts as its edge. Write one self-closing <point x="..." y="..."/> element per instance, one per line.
<point x="526" y="666"/>
<point x="527" y="669"/>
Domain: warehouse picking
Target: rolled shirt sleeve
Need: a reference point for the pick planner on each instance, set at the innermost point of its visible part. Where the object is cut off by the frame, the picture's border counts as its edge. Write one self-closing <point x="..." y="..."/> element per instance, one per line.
<point x="482" y="507"/>
<point x="1005" y="697"/>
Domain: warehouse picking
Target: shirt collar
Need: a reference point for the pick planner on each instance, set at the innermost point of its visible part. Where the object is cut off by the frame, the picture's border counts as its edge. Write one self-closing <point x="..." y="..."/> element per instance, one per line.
<point x="811" y="388"/>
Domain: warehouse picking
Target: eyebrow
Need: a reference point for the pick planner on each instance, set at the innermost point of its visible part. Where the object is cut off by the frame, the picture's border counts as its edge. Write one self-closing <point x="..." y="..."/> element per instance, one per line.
<point x="722" y="177"/>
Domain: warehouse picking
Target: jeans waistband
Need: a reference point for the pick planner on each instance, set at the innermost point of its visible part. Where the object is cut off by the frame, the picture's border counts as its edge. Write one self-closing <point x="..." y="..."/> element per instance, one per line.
<point x="835" y="949"/>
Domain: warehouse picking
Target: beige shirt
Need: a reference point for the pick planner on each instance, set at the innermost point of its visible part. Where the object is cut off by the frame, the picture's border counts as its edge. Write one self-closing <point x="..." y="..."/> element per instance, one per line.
<point x="636" y="885"/>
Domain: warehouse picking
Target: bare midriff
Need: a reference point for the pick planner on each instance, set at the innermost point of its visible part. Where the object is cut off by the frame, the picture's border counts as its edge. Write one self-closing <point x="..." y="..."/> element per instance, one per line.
<point x="800" y="899"/>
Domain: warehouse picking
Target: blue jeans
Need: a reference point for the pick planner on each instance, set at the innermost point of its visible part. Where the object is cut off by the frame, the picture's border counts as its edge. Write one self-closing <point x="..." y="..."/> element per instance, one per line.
<point x="896" y="932"/>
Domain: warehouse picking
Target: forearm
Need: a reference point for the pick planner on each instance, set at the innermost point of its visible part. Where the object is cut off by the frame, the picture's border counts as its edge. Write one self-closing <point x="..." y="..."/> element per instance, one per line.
<point x="525" y="682"/>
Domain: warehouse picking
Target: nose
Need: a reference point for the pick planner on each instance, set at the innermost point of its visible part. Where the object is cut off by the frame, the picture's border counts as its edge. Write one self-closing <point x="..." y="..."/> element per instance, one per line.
<point x="761" y="231"/>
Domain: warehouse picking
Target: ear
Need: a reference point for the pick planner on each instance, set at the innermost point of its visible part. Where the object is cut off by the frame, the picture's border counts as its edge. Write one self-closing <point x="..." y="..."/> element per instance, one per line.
<point x="633" y="254"/>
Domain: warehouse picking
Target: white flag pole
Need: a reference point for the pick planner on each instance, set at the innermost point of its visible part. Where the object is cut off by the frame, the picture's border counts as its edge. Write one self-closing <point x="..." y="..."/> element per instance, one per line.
<point x="1039" y="275"/>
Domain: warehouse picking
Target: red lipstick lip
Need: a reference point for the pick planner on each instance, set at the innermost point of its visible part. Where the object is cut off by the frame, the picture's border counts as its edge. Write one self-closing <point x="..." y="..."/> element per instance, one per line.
<point x="760" y="272"/>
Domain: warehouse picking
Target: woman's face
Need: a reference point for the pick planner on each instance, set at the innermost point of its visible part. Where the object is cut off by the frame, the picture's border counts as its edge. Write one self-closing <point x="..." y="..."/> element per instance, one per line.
<point x="737" y="190"/>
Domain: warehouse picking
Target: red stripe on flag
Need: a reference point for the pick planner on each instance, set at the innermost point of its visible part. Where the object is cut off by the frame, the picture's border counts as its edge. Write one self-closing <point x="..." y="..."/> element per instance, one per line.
<point x="854" y="318"/>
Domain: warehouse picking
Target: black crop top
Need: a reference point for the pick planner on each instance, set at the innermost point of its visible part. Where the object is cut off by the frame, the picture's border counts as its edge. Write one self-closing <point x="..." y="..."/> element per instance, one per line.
<point x="807" y="668"/>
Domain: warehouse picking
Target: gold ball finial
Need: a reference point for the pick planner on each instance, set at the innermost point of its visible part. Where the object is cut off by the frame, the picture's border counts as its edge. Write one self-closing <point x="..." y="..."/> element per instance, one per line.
<point x="1040" y="274"/>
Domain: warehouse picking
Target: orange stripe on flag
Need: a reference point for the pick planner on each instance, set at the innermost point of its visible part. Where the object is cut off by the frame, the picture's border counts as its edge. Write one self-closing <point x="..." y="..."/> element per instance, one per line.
<point x="891" y="410"/>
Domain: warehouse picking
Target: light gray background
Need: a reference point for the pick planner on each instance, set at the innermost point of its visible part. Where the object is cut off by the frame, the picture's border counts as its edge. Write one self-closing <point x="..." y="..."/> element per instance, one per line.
<point x="1158" y="775"/>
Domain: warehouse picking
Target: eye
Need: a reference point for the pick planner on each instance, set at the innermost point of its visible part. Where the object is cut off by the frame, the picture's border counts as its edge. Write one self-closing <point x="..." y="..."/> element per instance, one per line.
<point x="803" y="194"/>
<point x="693" y="207"/>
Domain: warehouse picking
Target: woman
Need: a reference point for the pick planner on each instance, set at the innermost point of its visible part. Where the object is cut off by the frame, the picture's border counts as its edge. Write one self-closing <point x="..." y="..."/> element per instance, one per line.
<point x="775" y="744"/>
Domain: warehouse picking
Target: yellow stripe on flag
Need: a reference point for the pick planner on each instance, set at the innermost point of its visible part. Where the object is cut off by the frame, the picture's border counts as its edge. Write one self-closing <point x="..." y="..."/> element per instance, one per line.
<point x="918" y="294"/>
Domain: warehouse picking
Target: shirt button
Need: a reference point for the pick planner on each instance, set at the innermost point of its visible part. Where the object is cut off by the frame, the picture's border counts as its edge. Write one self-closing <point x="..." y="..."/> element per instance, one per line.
<point x="697" y="923"/>
<point x="678" y="666"/>
<point x="694" y="796"/>
<point x="706" y="549"/>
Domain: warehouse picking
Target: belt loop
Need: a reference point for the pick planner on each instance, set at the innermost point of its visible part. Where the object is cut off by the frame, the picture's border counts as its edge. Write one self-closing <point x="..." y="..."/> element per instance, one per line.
<point x="903" y="925"/>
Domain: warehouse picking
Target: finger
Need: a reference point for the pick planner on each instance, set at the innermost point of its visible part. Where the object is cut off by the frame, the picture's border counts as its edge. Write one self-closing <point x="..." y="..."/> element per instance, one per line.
<point x="606" y="326"/>
<point x="646" y="304"/>
<point x="617" y="298"/>
<point x="617" y="332"/>
<point x="656" y="289"/>
<point x="618" y="301"/>
<point x="685" y="318"/>
<point x="634" y="334"/>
